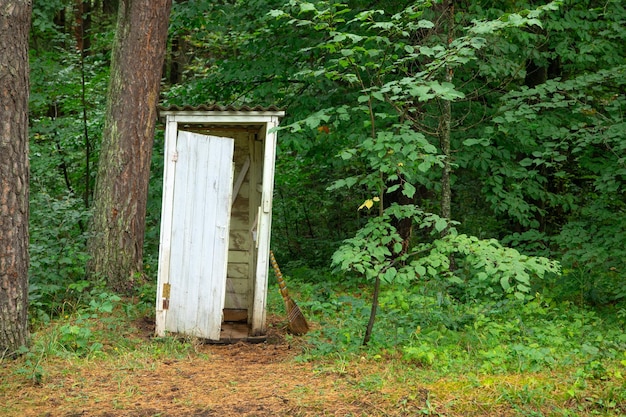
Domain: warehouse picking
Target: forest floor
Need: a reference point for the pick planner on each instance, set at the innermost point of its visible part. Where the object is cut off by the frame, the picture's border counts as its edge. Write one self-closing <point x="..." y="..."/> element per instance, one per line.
<point x="239" y="379"/>
<point x="264" y="379"/>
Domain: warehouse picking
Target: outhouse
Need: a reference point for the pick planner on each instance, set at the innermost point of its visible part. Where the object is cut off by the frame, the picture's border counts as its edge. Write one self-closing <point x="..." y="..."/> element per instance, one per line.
<point x="216" y="220"/>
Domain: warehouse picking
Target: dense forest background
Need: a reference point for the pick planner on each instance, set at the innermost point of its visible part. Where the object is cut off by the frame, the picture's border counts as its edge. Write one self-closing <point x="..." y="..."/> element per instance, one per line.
<point x="509" y="123"/>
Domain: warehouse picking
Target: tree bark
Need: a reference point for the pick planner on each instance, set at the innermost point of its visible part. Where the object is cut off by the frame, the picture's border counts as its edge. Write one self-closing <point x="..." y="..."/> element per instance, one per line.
<point x="14" y="174"/>
<point x="118" y="227"/>
<point x="444" y="141"/>
<point x="370" y="322"/>
<point x="82" y="26"/>
<point x="444" y="130"/>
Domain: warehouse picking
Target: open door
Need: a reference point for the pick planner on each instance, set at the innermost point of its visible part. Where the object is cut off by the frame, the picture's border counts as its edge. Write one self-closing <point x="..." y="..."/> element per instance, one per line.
<point x="200" y="221"/>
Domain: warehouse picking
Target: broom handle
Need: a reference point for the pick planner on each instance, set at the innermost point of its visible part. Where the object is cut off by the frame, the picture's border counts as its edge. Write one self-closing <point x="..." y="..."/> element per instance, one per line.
<point x="279" y="277"/>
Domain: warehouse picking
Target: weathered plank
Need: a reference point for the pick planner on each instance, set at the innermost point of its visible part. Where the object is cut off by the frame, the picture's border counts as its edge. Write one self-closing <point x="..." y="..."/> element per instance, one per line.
<point x="238" y="270"/>
<point x="200" y="231"/>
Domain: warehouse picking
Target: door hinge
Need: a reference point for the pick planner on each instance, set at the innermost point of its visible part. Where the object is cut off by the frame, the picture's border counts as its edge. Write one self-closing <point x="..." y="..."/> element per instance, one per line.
<point x="175" y="157"/>
<point x="165" y="295"/>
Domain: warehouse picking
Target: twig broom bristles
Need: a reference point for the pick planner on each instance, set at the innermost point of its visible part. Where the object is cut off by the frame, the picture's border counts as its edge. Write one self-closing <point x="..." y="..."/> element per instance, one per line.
<point x="297" y="322"/>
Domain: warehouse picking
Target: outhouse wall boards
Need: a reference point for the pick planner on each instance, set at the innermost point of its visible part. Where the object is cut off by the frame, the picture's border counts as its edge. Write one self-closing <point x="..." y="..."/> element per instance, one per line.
<point x="215" y="223"/>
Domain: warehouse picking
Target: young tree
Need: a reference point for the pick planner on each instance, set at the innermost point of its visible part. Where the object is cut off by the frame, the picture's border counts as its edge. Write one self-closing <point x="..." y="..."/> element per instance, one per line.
<point x="401" y="65"/>
<point x="14" y="26"/>
<point x="118" y="227"/>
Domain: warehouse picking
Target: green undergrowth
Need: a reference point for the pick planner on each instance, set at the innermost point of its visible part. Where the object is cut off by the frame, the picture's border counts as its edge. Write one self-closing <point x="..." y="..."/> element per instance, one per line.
<point x="104" y="328"/>
<point x="537" y="358"/>
<point x="542" y="357"/>
<point x="431" y="329"/>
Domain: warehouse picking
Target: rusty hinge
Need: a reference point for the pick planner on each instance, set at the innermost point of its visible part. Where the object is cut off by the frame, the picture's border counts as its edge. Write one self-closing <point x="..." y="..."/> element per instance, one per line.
<point x="165" y="295"/>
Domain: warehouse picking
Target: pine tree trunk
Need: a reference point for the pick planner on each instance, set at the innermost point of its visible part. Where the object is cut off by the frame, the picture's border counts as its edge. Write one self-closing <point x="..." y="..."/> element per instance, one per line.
<point x="121" y="192"/>
<point x="14" y="175"/>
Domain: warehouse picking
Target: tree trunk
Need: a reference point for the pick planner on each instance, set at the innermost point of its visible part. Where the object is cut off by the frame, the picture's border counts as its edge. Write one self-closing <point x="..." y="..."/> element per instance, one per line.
<point x="14" y="175"/>
<point x="176" y="60"/>
<point x="82" y="26"/>
<point x="118" y="227"/>
<point x="444" y="141"/>
<point x="444" y="130"/>
<point x="370" y="323"/>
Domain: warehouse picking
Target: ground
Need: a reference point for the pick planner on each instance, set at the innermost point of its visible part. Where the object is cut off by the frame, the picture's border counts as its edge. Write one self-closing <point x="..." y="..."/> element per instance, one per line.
<point x="149" y="377"/>
<point x="263" y="379"/>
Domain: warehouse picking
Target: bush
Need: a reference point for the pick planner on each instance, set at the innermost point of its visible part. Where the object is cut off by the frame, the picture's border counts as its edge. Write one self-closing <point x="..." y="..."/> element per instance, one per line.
<point x="57" y="255"/>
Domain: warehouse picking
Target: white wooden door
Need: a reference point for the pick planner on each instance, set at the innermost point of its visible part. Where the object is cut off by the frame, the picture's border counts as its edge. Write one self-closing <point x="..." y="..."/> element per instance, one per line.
<point x="199" y="234"/>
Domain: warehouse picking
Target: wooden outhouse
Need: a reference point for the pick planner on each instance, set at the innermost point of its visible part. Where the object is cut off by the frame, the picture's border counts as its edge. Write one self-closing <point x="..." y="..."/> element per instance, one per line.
<point x="216" y="219"/>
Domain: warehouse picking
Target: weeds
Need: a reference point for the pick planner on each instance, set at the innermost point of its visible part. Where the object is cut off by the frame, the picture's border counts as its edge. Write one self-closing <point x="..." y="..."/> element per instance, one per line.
<point x="434" y="331"/>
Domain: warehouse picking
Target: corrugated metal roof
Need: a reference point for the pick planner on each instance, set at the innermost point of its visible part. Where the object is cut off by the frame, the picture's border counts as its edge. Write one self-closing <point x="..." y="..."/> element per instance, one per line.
<point x="216" y="107"/>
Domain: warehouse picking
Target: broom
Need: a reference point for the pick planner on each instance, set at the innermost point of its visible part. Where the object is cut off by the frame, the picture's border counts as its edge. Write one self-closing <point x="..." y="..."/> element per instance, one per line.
<point x="297" y="321"/>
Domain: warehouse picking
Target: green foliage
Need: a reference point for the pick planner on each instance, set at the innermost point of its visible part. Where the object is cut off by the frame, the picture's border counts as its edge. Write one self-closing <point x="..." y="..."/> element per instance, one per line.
<point x="389" y="78"/>
<point x="436" y="331"/>
<point x="77" y="335"/>
<point x="551" y="163"/>
<point x="240" y="57"/>
<point x="480" y="268"/>
<point x="67" y="100"/>
<point x="66" y="111"/>
<point x="558" y="182"/>
<point x="484" y="268"/>
<point x="400" y="155"/>
<point x="57" y="255"/>
<point x="307" y="225"/>
<point x="561" y="151"/>
<point x="377" y="248"/>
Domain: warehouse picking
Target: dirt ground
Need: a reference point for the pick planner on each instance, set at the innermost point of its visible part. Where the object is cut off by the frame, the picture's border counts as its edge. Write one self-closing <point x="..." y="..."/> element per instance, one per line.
<point x="217" y="380"/>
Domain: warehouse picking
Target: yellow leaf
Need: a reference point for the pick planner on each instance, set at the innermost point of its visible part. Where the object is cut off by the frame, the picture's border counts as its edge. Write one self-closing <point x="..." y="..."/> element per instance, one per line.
<point x="368" y="203"/>
<point x="377" y="199"/>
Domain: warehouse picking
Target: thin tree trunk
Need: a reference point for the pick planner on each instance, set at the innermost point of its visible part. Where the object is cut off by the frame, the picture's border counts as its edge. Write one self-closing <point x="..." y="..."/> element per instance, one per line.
<point x="176" y="60"/>
<point x="14" y="174"/>
<point x="444" y="131"/>
<point x="444" y="140"/>
<point x="121" y="192"/>
<point x="82" y="26"/>
<point x="373" y="311"/>
<point x="82" y="33"/>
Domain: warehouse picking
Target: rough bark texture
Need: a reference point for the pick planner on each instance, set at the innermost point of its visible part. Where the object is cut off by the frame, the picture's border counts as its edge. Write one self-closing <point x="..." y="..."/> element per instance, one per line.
<point x="122" y="183"/>
<point x="14" y="27"/>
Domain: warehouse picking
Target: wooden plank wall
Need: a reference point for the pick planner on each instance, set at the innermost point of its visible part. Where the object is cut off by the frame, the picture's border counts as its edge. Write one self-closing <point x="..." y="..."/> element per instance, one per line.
<point x="240" y="275"/>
